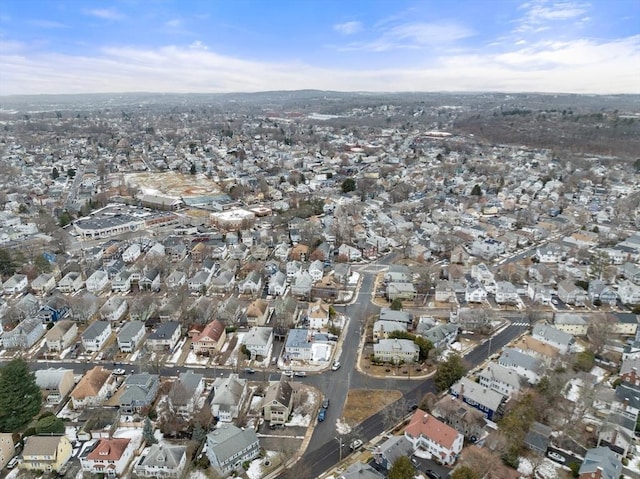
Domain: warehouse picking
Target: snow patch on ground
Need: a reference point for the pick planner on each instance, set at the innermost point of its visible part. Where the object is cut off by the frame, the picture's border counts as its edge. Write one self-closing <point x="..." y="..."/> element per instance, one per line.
<point x="302" y="420"/>
<point x="198" y="474"/>
<point x="193" y="358"/>
<point x="320" y="352"/>
<point x="599" y="373"/>
<point x="256" y="403"/>
<point x="342" y="428"/>
<point x="177" y="352"/>
<point x="573" y="389"/>
<point x="68" y="413"/>
<point x="255" y="470"/>
<point x="546" y="469"/>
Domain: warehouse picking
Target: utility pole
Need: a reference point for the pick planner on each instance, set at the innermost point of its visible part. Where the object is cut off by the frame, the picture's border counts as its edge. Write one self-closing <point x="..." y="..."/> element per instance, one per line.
<point x="339" y="439"/>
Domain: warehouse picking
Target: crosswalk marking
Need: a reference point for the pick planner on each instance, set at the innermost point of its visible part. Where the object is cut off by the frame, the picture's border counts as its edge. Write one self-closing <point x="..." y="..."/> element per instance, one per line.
<point x="519" y="324"/>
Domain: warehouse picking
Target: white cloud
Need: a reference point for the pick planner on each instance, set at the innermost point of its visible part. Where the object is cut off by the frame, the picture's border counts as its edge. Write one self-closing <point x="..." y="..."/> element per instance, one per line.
<point x="104" y="13"/>
<point x="348" y="28"/>
<point x="47" y="24"/>
<point x="174" y="23"/>
<point x="412" y="35"/>
<point x="581" y="66"/>
<point x="540" y="13"/>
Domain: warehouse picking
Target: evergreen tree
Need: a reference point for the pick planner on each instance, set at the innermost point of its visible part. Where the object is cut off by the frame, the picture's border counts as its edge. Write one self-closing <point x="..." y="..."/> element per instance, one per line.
<point x="396" y="305"/>
<point x="20" y="397"/>
<point x="449" y="372"/>
<point x="348" y="185"/>
<point x="476" y="191"/>
<point x="55" y="173"/>
<point x="50" y="425"/>
<point x="147" y="432"/>
<point x="7" y="265"/>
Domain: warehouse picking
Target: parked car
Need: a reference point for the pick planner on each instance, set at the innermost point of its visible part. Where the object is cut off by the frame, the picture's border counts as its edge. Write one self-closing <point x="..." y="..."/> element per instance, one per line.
<point x="300" y="374"/>
<point x="119" y="372"/>
<point x="355" y="444"/>
<point x="555" y="456"/>
<point x="325" y="403"/>
<point x="336" y="366"/>
<point x="288" y="373"/>
<point x="432" y="474"/>
<point x="322" y="414"/>
<point x="12" y="463"/>
<point x="249" y="370"/>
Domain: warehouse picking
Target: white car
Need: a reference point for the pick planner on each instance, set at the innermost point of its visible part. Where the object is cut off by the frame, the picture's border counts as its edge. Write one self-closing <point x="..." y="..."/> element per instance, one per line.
<point x="355" y="444"/>
<point x="336" y="366"/>
<point x="119" y="372"/>
<point x="288" y="373"/>
<point x="555" y="456"/>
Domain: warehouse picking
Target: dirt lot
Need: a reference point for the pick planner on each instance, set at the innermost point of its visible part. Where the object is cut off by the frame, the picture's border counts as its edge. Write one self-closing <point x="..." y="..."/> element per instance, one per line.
<point x="362" y="403"/>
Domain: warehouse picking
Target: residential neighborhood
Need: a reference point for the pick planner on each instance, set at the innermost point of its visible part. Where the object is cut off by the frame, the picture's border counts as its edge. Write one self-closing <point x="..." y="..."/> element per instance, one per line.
<point x="190" y="297"/>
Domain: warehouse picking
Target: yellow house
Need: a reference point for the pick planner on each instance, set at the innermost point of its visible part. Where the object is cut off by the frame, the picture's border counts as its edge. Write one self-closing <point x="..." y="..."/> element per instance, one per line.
<point x="46" y="453"/>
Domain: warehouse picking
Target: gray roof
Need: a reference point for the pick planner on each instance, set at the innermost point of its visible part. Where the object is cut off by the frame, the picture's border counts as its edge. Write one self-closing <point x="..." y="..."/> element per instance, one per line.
<point x="190" y="381"/>
<point x="538" y="436"/>
<point x="395" y="447"/>
<point x="630" y="393"/>
<point x="164" y="331"/>
<point x="569" y="318"/>
<point x="297" y="338"/>
<point x="358" y="470"/>
<point x="50" y="378"/>
<point x="129" y="330"/>
<point x="257" y="336"/>
<point x="495" y="372"/>
<point x="225" y="441"/>
<point x="604" y="458"/>
<point x="472" y="391"/>
<point x="386" y="345"/>
<point x="95" y="329"/>
<point x="513" y="358"/>
<point x="163" y="455"/>
<point x="438" y="333"/>
<point x="228" y="391"/>
<point x="549" y="333"/>
<point x="388" y="314"/>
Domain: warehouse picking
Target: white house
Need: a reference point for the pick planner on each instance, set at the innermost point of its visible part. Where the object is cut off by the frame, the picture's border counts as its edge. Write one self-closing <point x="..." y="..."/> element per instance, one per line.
<point x="258" y="340"/>
<point x="553" y="337"/>
<point x="572" y="323"/>
<point x="98" y="281"/>
<point x="316" y="270"/>
<point x="43" y="283"/>
<point x="298" y="345"/>
<point x="396" y="350"/>
<point x="130" y="336"/>
<point x="525" y="365"/>
<point x="349" y="252"/>
<point x="114" y="309"/>
<point x="96" y="335"/>
<point x="61" y="335"/>
<point x="229" y="397"/>
<point x="628" y="292"/>
<point x="71" y="282"/>
<point x="318" y="315"/>
<point x="500" y="379"/>
<point x="108" y="456"/>
<point x="18" y="283"/>
<point x="132" y="253"/>
<point x="277" y="284"/>
<point x="162" y="460"/>
<point x="506" y="293"/>
<point x="426" y="433"/>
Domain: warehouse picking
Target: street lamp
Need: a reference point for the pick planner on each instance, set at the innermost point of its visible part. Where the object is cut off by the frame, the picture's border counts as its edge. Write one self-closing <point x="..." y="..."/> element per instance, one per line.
<point x="339" y="439"/>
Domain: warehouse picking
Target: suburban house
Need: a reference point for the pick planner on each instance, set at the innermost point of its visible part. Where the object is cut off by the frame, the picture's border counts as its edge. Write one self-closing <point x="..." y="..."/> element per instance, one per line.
<point x="139" y="392"/>
<point x="71" y="282"/>
<point x="94" y="388"/>
<point x="302" y="284"/>
<point x="525" y="365"/>
<point x="211" y="339"/>
<point x="175" y="280"/>
<point x="96" y="335"/>
<point x="54" y="309"/>
<point x="132" y="253"/>
<point x="228" y="447"/>
<point x="316" y="270"/>
<point x="24" y="335"/>
<point x="569" y="293"/>
<point x="228" y="398"/>
<point x="628" y="292"/>
<point x="45" y="453"/>
<point x="445" y="291"/>
<point x="360" y="470"/>
<point x="162" y="460"/>
<point x="401" y="291"/>
<point x="617" y="432"/>
<point x="277" y="284"/>
<point x="349" y="252"/>
<point x="252" y="284"/>
<point x="130" y="336"/>
<point x="121" y="283"/>
<point x="572" y="323"/>
<point x="624" y="323"/>
<point x="278" y="402"/>
<point x="61" y="336"/>
<point x="43" y="284"/>
<point x="485" y="400"/>
<point x="55" y="384"/>
<point x="506" y="293"/>
<point x="600" y="463"/>
<point x="442" y="335"/>
<point x="318" y="315"/>
<point x="500" y="379"/>
<point x="554" y="337"/>
<point x="257" y="313"/>
<point x="388" y="314"/>
<point x="298" y="345"/>
<point x="475" y="292"/>
<point x="426" y="433"/>
<point x="396" y="351"/>
<point x="16" y="284"/>
<point x="98" y="281"/>
<point x="258" y="340"/>
<point x="165" y="337"/>
<point x="539" y="293"/>
<point x="114" y="309"/>
<point x="108" y="456"/>
<point x="599" y="291"/>
<point x="390" y="450"/>
<point x="464" y="418"/>
<point x="186" y="392"/>
<point x="382" y="328"/>
<point x="538" y="438"/>
<point x="150" y="280"/>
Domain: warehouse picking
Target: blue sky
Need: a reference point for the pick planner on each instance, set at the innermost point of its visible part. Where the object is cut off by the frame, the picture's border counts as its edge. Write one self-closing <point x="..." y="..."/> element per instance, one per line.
<point x="73" y="46"/>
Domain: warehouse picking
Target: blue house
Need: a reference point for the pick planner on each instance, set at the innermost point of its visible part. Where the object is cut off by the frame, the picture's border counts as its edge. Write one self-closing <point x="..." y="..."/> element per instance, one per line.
<point x="54" y="309"/>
